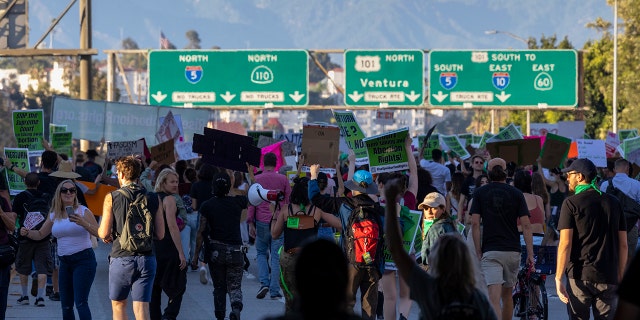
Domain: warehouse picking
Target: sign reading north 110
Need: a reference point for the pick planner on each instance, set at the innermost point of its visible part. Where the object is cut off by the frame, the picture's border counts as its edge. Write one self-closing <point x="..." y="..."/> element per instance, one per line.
<point x="228" y="78"/>
<point x="503" y="78"/>
<point x="391" y="77"/>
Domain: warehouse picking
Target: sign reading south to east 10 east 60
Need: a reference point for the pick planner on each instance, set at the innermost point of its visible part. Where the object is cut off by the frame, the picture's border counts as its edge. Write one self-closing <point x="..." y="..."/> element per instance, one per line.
<point x="384" y="77"/>
<point x="503" y="78"/>
<point x="228" y="77"/>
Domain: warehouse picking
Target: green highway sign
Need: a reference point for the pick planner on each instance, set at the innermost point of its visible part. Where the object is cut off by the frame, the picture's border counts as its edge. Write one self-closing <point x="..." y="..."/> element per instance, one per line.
<point x="503" y="78"/>
<point x="228" y="78"/>
<point x="384" y="77"/>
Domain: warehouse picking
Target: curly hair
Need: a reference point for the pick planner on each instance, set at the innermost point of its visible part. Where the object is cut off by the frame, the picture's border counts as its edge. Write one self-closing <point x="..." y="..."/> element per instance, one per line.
<point x="129" y="167"/>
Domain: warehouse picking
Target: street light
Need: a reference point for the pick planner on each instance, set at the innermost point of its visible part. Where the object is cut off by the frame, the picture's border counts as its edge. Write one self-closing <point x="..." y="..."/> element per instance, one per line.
<point x="615" y="67"/>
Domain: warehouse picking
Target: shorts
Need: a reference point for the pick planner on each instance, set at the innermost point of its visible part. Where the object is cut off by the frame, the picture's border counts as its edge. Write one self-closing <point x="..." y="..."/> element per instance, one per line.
<point x="500" y="267"/>
<point x="37" y="252"/>
<point x="133" y="275"/>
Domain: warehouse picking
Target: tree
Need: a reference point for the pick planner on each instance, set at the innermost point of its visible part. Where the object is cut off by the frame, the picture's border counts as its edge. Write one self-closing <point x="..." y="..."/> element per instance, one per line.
<point x="315" y="74"/>
<point x="194" y="40"/>
<point x="133" y="60"/>
<point x="98" y="83"/>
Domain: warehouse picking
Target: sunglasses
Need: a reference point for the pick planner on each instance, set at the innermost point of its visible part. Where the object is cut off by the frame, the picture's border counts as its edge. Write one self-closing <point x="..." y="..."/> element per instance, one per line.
<point x="478" y="162"/>
<point x="68" y="190"/>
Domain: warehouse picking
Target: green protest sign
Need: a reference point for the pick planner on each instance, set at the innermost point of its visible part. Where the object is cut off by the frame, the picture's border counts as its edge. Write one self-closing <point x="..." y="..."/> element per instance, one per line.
<point x="476" y="139"/>
<point x="631" y="149"/>
<point x="256" y="135"/>
<point x="467" y="137"/>
<point x="433" y="143"/>
<point x="509" y="132"/>
<point x="28" y="128"/>
<point x="627" y="134"/>
<point x="387" y="151"/>
<point x="19" y="157"/>
<point x="483" y="141"/>
<point x="53" y="128"/>
<point x="410" y="222"/>
<point x="352" y="134"/>
<point x="453" y="143"/>
<point x="61" y="142"/>
<point x="554" y="151"/>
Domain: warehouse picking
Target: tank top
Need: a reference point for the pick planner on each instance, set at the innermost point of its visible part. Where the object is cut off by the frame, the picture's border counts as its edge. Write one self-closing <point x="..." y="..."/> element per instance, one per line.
<point x="119" y="207"/>
<point x="72" y="238"/>
<point x="294" y="237"/>
<point x="556" y="198"/>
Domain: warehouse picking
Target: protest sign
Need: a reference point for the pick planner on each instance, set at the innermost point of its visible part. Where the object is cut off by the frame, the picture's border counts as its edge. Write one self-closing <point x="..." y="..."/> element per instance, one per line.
<point x="627" y="134"/>
<point x="352" y="134"/>
<point x="384" y="117"/>
<point x="62" y="142"/>
<point x="593" y="150"/>
<point x="410" y="222"/>
<point x="320" y="144"/>
<point x="387" y="151"/>
<point x="466" y="139"/>
<point x="19" y="157"/>
<point x="522" y="151"/>
<point x="28" y="128"/>
<point x="541" y="129"/>
<point x="257" y="134"/>
<point x="432" y="143"/>
<point x="168" y="130"/>
<point x="554" y="151"/>
<point x="631" y="148"/>
<point x="510" y="132"/>
<point x="32" y="219"/>
<point x="485" y="137"/>
<point x="571" y="129"/>
<point x="476" y="139"/>
<point x="96" y="200"/>
<point x="454" y="145"/>
<point x="117" y="149"/>
<point x="184" y="150"/>
<point x="225" y="149"/>
<point x="611" y="142"/>
<point x="53" y="128"/>
<point x="163" y="153"/>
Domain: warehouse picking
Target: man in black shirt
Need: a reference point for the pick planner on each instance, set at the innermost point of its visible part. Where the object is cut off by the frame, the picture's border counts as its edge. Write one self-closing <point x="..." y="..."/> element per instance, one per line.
<point x="593" y="245"/>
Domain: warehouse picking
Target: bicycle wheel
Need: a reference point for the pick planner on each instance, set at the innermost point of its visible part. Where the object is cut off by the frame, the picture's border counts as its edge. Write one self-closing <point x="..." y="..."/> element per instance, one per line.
<point x="537" y="304"/>
<point x="519" y="305"/>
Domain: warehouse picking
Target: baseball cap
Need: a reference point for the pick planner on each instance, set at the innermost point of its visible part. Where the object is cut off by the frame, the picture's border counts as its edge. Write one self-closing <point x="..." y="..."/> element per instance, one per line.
<point x="362" y="182"/>
<point x="497" y="162"/>
<point x="432" y="200"/>
<point x="583" y="166"/>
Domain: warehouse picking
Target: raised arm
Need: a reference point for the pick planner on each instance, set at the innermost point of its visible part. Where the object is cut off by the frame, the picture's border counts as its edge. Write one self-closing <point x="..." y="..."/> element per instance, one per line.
<point x="352" y="164"/>
<point x="393" y="234"/>
<point x="413" y="168"/>
<point x="340" y="191"/>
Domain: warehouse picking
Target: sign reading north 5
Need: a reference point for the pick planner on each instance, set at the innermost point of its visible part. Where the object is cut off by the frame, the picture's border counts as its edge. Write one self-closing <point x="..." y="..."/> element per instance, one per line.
<point x="503" y="78"/>
<point x="228" y="78"/>
<point x="393" y="77"/>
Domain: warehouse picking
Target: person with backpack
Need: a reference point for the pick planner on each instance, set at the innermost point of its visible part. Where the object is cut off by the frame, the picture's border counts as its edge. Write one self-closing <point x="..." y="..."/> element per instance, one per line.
<point x="299" y="221"/>
<point x="7" y="226"/>
<point x="361" y="219"/>
<point x="627" y="190"/>
<point x="32" y="206"/>
<point x="132" y="265"/>
<point x="223" y="245"/>
<point x="433" y="207"/>
<point x="171" y="273"/>
<point x="448" y="290"/>
<point x="73" y="225"/>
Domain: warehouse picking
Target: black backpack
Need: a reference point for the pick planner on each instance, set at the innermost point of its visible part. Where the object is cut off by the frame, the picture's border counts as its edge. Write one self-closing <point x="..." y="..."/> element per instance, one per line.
<point x="630" y="207"/>
<point x="364" y="241"/>
<point x="40" y="204"/>
<point x="137" y="229"/>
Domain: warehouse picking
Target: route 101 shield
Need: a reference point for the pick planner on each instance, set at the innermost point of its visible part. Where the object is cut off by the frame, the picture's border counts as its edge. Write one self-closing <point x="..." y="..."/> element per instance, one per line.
<point x="448" y="80"/>
<point x="500" y="80"/>
<point x="193" y="74"/>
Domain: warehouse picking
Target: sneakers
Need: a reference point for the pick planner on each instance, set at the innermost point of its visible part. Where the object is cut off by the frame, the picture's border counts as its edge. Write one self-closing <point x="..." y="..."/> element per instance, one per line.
<point x="55" y="296"/>
<point x="23" y="300"/>
<point x="249" y="275"/>
<point x="234" y="315"/>
<point x="203" y="275"/>
<point x="39" y="302"/>
<point x="276" y="297"/>
<point x="262" y="292"/>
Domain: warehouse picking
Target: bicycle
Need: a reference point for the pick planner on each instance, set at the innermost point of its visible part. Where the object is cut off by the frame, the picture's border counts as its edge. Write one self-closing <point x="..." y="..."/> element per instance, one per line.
<point x="530" y="294"/>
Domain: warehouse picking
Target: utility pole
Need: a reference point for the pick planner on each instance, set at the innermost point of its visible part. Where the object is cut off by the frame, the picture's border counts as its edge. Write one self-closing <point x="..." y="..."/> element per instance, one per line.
<point x="85" y="43"/>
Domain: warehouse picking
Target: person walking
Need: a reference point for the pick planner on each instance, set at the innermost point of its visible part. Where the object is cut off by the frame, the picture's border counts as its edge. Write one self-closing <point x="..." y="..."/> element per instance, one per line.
<point x="130" y="272"/>
<point x="499" y="205"/>
<point x="171" y="272"/>
<point x="592" y="252"/>
<point x="7" y="225"/>
<point x="73" y="225"/>
<point x="223" y="244"/>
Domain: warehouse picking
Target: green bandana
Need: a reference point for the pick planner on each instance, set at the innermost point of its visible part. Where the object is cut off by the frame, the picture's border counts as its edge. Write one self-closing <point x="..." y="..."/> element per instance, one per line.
<point x="583" y="187"/>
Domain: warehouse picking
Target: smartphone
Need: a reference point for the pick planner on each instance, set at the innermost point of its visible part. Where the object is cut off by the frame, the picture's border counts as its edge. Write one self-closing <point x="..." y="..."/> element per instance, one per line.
<point x="69" y="210"/>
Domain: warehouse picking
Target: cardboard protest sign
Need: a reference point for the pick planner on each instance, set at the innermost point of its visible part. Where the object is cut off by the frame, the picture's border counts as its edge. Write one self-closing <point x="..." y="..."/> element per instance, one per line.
<point x="96" y="200"/>
<point x="53" y="128"/>
<point x="117" y="149"/>
<point x="257" y="134"/>
<point x="225" y="149"/>
<point x="352" y="134"/>
<point x="454" y="145"/>
<point x="631" y="148"/>
<point x="387" y="151"/>
<point x="19" y="157"/>
<point x="593" y="150"/>
<point x="611" y="142"/>
<point x="168" y="130"/>
<point x="510" y="132"/>
<point x="554" y="151"/>
<point x="627" y="134"/>
<point x="184" y="150"/>
<point x="410" y="227"/>
<point x="522" y="151"/>
<point x="62" y="142"/>
<point x="320" y="144"/>
<point x="28" y="128"/>
<point x="163" y="153"/>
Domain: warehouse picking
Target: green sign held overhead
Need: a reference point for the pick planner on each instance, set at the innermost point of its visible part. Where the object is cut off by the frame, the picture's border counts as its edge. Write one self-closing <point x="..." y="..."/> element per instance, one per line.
<point x="387" y="152"/>
<point x="374" y="77"/>
<point x="352" y="134"/>
<point x="28" y="128"/>
<point x="228" y="78"/>
<point x="19" y="157"/>
<point x="503" y="78"/>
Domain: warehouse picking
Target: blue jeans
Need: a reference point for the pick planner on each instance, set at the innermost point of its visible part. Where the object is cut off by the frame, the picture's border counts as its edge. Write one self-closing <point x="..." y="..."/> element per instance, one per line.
<point x="193" y="221"/>
<point x="267" y="249"/>
<point x="77" y="272"/>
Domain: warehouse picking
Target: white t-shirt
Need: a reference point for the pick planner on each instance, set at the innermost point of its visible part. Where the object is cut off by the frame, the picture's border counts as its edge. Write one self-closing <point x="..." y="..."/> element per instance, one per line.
<point x="440" y="174"/>
<point x="72" y="238"/>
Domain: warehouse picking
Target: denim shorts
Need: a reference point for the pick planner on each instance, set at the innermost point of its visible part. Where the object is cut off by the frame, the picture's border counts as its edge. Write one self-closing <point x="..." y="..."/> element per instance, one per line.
<point x="133" y="274"/>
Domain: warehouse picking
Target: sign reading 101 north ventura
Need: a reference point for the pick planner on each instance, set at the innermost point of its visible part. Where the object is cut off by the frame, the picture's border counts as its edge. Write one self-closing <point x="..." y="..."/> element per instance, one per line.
<point x="228" y="78"/>
<point x="384" y="77"/>
<point x="503" y="78"/>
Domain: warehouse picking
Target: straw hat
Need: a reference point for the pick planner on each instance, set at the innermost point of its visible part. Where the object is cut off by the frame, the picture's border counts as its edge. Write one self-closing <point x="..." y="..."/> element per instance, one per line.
<point x="65" y="171"/>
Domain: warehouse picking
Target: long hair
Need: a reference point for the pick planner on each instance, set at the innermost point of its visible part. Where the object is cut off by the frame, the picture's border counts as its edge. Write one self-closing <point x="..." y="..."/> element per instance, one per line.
<point x="162" y="178"/>
<point x="457" y="180"/>
<point x="299" y="195"/>
<point x="522" y="181"/>
<point x="452" y="267"/>
<point x="57" y="207"/>
<point x="539" y="188"/>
